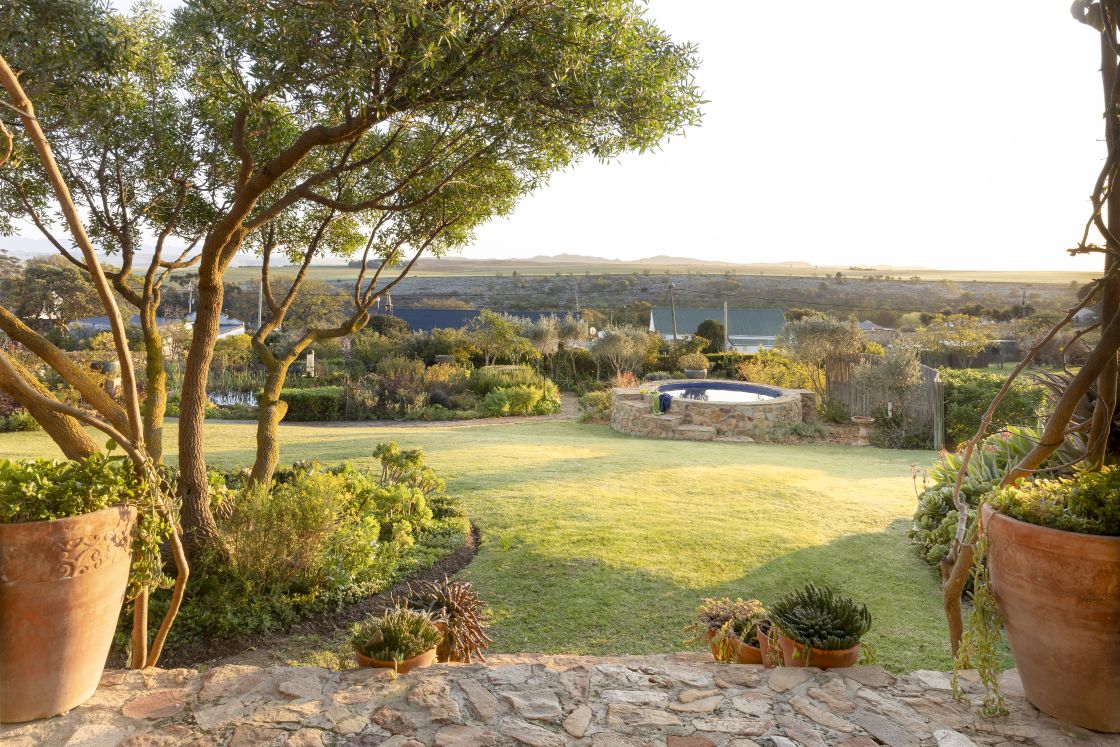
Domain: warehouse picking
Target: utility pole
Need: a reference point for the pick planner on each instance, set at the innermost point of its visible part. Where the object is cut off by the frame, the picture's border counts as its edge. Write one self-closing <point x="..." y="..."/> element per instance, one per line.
<point x="673" y="306"/>
<point x="389" y="303"/>
<point x="190" y="297"/>
<point x="577" y="297"/>
<point x="726" y="330"/>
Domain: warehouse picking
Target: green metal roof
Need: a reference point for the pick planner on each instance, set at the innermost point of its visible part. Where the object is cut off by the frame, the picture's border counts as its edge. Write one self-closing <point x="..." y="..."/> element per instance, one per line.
<point x="740" y="322"/>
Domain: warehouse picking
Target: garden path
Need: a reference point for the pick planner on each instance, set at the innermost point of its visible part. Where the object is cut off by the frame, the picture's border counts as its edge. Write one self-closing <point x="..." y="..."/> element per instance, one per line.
<point x="675" y="700"/>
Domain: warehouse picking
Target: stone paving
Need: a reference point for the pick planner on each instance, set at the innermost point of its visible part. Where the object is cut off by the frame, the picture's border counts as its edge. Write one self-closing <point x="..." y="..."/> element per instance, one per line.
<point x="679" y="700"/>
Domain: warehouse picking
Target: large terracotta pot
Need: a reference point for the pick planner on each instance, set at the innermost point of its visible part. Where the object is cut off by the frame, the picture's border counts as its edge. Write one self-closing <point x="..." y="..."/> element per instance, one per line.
<point x="794" y="655"/>
<point x="62" y="584"/>
<point x="405" y="665"/>
<point x="1059" y="593"/>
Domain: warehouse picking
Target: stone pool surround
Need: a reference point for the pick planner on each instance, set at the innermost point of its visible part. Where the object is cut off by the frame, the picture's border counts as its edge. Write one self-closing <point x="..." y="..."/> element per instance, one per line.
<point x="695" y="420"/>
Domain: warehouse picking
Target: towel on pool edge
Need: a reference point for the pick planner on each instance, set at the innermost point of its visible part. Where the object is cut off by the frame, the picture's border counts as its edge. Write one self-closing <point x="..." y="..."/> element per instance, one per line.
<point x="664" y="401"/>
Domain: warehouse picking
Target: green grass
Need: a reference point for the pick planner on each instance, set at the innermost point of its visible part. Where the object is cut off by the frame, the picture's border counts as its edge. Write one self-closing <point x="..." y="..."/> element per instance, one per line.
<point x="598" y="543"/>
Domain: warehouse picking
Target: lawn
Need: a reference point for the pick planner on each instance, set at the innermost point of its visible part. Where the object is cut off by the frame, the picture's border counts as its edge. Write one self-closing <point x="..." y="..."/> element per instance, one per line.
<point x="598" y="543"/>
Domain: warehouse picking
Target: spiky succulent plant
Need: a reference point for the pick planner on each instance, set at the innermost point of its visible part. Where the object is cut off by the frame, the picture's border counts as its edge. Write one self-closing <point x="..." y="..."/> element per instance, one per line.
<point x="455" y="604"/>
<point x="821" y="617"/>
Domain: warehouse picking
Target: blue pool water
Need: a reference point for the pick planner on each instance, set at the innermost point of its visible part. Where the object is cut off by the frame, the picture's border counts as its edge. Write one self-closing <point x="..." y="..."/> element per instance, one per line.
<point x="719" y="391"/>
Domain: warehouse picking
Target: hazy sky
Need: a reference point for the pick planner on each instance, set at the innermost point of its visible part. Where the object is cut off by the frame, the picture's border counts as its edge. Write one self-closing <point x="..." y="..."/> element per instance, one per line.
<point x="961" y="133"/>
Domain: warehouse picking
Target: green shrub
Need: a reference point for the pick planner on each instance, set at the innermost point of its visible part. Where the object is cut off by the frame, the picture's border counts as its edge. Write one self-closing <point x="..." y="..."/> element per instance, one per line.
<point x="935" y="521"/>
<point x="313" y="404"/>
<point x="968" y="393"/>
<point x="834" y="411"/>
<point x="800" y="431"/>
<point x="488" y="378"/>
<point x="820" y="617"/>
<point x="596" y="406"/>
<point x="773" y="368"/>
<point x="1088" y="502"/>
<point x="316" y="538"/>
<point x="44" y="489"/>
<point x="693" y="362"/>
<point x="657" y="376"/>
<point x="18" y="421"/>
<point x="894" y="431"/>
<point x="396" y="635"/>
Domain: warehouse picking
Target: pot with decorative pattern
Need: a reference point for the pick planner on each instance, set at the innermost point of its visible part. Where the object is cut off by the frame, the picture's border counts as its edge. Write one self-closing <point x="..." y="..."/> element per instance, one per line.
<point x="62" y="583"/>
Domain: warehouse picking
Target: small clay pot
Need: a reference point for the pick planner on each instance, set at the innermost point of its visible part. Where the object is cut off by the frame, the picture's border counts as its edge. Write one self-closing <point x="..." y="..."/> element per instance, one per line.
<point x="793" y="655"/>
<point x="746" y="653"/>
<point x="710" y="637"/>
<point x="770" y="657"/>
<point x="405" y="665"/>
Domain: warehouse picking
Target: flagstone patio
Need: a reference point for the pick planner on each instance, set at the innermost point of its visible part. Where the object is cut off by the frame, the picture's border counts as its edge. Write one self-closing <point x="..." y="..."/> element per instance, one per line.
<point x="679" y="700"/>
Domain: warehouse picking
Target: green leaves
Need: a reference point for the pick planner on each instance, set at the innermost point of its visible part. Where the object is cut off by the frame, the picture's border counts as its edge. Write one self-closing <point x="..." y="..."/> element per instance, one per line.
<point x="821" y="617"/>
<point x="47" y="489"/>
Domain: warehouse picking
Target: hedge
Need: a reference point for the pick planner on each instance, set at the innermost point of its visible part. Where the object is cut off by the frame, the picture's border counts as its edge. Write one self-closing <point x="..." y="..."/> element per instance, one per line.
<point x="313" y="404"/>
<point x="968" y="392"/>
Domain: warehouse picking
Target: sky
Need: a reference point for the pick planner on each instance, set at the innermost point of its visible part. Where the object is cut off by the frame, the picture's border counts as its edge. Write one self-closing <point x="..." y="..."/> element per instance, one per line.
<point x="958" y="134"/>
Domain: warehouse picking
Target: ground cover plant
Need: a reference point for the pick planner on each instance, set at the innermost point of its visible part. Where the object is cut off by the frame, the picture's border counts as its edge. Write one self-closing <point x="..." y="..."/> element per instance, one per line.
<point x="318" y="537"/>
<point x="593" y="542"/>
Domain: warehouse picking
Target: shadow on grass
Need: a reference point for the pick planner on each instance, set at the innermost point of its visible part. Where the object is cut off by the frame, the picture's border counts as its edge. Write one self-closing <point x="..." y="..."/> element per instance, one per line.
<point x="570" y="605"/>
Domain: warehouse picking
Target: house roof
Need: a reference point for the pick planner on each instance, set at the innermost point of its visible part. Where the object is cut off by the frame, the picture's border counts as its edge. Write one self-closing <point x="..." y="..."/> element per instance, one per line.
<point x="740" y="322"/>
<point x="226" y="325"/>
<point x="869" y="326"/>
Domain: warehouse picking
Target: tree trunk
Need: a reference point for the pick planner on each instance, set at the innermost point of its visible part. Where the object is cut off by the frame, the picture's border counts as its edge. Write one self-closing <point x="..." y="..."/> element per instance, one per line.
<point x="199" y="528"/>
<point x="66" y="432"/>
<point x="155" y="374"/>
<point x="270" y="411"/>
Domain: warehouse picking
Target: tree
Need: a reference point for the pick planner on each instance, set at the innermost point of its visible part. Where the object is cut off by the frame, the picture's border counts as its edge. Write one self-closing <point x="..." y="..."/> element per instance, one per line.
<point x="499" y="337"/>
<point x="50" y="293"/>
<point x="623" y="348"/>
<point x="814" y="341"/>
<point x="955" y="334"/>
<point x="62" y="421"/>
<point x="267" y="108"/>
<point x="714" y="333"/>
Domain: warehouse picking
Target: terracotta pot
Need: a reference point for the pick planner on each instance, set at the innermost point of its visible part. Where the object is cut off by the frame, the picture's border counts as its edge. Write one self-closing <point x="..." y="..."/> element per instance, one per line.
<point x="769" y="656"/>
<point x="793" y="655"/>
<point x="405" y="665"/>
<point x="62" y="584"/>
<point x="1059" y="594"/>
<point x="746" y="653"/>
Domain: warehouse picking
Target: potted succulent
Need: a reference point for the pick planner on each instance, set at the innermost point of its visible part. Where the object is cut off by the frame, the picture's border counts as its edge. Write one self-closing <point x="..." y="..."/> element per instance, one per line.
<point x="731" y="629"/>
<point x="819" y="627"/>
<point x="400" y="639"/>
<point x="694" y="365"/>
<point x="1053" y="566"/>
<point x="66" y="529"/>
<point x="457" y="612"/>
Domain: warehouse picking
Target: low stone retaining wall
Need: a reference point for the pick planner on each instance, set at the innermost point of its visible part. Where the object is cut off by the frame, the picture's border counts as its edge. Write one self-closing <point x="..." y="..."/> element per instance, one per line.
<point x="676" y="700"/>
<point x="706" y="421"/>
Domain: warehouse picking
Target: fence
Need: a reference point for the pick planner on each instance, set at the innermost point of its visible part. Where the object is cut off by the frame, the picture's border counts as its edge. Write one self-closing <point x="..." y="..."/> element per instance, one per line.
<point x="928" y="408"/>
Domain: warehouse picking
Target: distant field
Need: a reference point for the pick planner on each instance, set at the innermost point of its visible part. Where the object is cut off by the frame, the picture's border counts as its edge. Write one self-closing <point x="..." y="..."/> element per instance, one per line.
<point x="481" y="268"/>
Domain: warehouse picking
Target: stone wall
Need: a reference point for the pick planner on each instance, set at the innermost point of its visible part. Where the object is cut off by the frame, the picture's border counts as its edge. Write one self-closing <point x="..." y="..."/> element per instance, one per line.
<point x="704" y="421"/>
